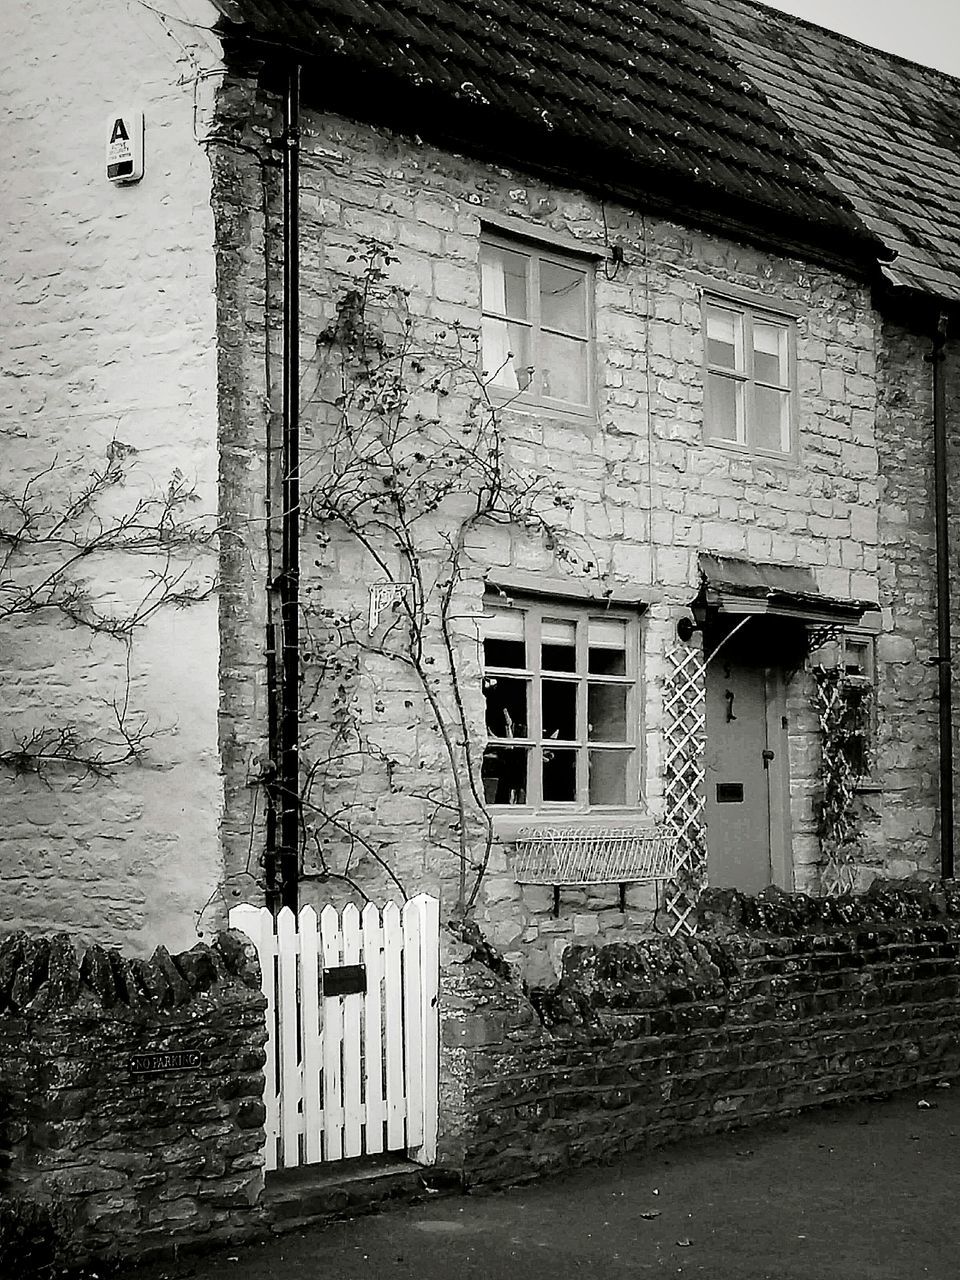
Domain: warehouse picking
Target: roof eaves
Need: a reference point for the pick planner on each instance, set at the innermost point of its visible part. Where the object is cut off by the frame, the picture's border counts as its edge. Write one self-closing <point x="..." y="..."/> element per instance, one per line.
<point x="765" y="186"/>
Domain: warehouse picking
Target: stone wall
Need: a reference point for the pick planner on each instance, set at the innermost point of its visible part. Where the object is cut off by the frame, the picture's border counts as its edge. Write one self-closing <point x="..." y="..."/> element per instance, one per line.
<point x="134" y="1090"/>
<point x="901" y="816"/>
<point x="781" y="1003"/>
<point x="646" y="492"/>
<point x="108" y="330"/>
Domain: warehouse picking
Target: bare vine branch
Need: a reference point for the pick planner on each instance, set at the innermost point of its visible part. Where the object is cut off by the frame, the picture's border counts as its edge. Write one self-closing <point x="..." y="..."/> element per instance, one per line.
<point x="56" y="528"/>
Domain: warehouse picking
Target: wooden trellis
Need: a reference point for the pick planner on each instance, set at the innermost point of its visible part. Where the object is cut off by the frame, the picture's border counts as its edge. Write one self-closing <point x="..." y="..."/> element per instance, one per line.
<point x="840" y="724"/>
<point x="684" y="709"/>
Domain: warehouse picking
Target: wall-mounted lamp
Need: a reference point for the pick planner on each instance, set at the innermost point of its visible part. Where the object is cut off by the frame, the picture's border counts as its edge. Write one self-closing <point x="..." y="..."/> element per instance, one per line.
<point x="686" y="626"/>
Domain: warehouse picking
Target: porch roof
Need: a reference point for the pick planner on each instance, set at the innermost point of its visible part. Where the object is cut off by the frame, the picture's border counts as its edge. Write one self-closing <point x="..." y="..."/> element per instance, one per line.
<point x="742" y="587"/>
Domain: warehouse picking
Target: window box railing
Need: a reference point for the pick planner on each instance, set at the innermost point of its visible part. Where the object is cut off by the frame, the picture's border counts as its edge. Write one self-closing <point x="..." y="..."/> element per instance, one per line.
<point x="571" y="857"/>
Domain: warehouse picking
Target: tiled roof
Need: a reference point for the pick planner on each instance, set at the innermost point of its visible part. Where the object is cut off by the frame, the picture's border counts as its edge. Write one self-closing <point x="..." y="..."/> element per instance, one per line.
<point x="887" y="131"/>
<point x="724" y="110"/>
<point x="635" y="97"/>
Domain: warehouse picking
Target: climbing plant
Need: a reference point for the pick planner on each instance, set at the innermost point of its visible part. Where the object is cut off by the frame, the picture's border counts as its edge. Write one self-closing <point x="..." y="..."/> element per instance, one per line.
<point x="406" y="474"/>
<point x="67" y="522"/>
<point x="844" y="710"/>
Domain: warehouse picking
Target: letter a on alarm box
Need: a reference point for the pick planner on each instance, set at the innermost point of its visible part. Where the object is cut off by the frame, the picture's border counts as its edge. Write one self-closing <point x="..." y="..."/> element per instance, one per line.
<point x="125" y="146"/>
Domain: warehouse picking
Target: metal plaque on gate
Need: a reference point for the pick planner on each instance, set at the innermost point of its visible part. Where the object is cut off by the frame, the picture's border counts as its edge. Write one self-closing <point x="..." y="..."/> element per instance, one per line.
<point x="345" y="980"/>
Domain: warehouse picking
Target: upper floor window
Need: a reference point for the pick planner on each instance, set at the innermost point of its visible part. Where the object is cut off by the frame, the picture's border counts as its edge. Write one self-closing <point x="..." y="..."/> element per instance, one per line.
<point x="750" y="398"/>
<point x="537" y="338"/>
<point x="561" y="689"/>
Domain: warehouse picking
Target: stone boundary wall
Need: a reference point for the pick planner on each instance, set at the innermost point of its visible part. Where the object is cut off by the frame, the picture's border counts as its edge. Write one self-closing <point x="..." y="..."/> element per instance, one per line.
<point x="780" y="1003"/>
<point x="132" y="1091"/>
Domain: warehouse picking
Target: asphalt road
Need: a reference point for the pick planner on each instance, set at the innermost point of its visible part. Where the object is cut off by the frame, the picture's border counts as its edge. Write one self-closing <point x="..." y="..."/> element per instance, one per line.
<point x="867" y="1192"/>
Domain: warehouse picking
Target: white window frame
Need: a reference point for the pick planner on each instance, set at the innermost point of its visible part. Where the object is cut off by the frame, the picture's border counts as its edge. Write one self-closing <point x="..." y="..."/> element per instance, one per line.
<point x="533" y="395"/>
<point x="747" y="314"/>
<point x="854" y="652"/>
<point x="533" y="612"/>
<point x="857" y="656"/>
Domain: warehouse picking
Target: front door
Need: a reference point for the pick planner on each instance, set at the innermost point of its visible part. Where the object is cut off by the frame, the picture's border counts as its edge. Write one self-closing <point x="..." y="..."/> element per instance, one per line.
<point x="744" y="773"/>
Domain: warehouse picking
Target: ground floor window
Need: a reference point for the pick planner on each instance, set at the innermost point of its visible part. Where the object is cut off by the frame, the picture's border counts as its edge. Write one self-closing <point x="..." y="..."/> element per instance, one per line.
<point x="560" y="684"/>
<point x="851" y="657"/>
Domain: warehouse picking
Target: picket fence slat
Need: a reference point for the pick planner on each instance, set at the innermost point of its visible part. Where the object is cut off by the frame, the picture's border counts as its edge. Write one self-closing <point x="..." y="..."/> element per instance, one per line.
<point x="355" y="1073"/>
<point x="352" y="1009"/>
<point x="332" y="1041"/>
<point x="312" y="1031"/>
<point x="412" y="1042"/>
<point x="288" y="946"/>
<point x="393" y="1026"/>
<point x="430" y="1024"/>
<point x="373" y="1096"/>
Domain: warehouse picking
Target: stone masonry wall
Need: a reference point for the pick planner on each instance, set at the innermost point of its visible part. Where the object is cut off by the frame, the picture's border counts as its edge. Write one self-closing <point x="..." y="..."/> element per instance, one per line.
<point x="647" y="493"/>
<point x="783" y="1002"/>
<point x="133" y="1090"/>
<point x="108" y="333"/>
<point x="902" y="815"/>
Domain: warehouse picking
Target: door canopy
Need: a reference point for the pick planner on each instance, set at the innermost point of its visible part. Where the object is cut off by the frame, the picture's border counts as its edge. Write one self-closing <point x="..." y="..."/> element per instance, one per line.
<point x="739" y="588"/>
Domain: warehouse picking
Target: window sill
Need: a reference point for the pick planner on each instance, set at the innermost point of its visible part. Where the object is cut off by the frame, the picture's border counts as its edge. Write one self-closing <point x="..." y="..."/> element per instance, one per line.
<point x="507" y="826"/>
<point x="513" y="402"/>
<point x="756" y="456"/>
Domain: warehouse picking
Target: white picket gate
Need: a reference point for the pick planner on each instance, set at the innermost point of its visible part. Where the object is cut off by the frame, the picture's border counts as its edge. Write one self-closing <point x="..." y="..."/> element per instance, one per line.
<point x="349" y="1074"/>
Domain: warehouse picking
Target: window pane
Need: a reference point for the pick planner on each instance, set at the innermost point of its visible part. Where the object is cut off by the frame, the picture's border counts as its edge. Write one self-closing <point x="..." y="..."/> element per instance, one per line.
<point x="503" y="643"/>
<point x="504" y="775"/>
<point x="504" y="653"/>
<point x="558" y="645"/>
<point x="856" y="657"/>
<point x="505" y="624"/>
<point x="724" y="408"/>
<point x="559" y="775"/>
<point x="503" y="281"/>
<point x="772" y="426"/>
<point x="608" y="644"/>
<point x="856" y="728"/>
<point x="769" y="352"/>
<point x="563" y="298"/>
<point x="559" y="709"/>
<point x="607" y="713"/>
<point x="563" y="365"/>
<point x="724" y="339"/>
<point x="506" y="354"/>
<point x="607" y="662"/>
<point x="608" y="777"/>
<point x="506" y="699"/>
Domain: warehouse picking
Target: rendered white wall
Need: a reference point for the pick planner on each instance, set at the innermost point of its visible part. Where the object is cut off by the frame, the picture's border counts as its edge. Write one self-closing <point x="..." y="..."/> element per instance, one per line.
<point x="107" y="326"/>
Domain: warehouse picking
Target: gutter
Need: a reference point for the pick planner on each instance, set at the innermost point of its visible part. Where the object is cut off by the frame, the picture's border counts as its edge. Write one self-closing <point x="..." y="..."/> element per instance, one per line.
<point x="937" y="359"/>
<point x="289" y="583"/>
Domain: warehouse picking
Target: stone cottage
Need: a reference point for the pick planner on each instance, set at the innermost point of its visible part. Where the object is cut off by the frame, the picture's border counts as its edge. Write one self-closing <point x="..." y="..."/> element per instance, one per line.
<point x="597" y="501"/>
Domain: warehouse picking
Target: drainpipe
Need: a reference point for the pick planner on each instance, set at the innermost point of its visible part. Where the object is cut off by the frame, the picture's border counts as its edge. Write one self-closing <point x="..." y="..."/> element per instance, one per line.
<point x="938" y="360"/>
<point x="289" y="726"/>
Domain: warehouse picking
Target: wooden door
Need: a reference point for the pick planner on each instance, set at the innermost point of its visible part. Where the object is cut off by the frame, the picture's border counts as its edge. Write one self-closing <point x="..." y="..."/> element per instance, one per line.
<point x="745" y="776"/>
